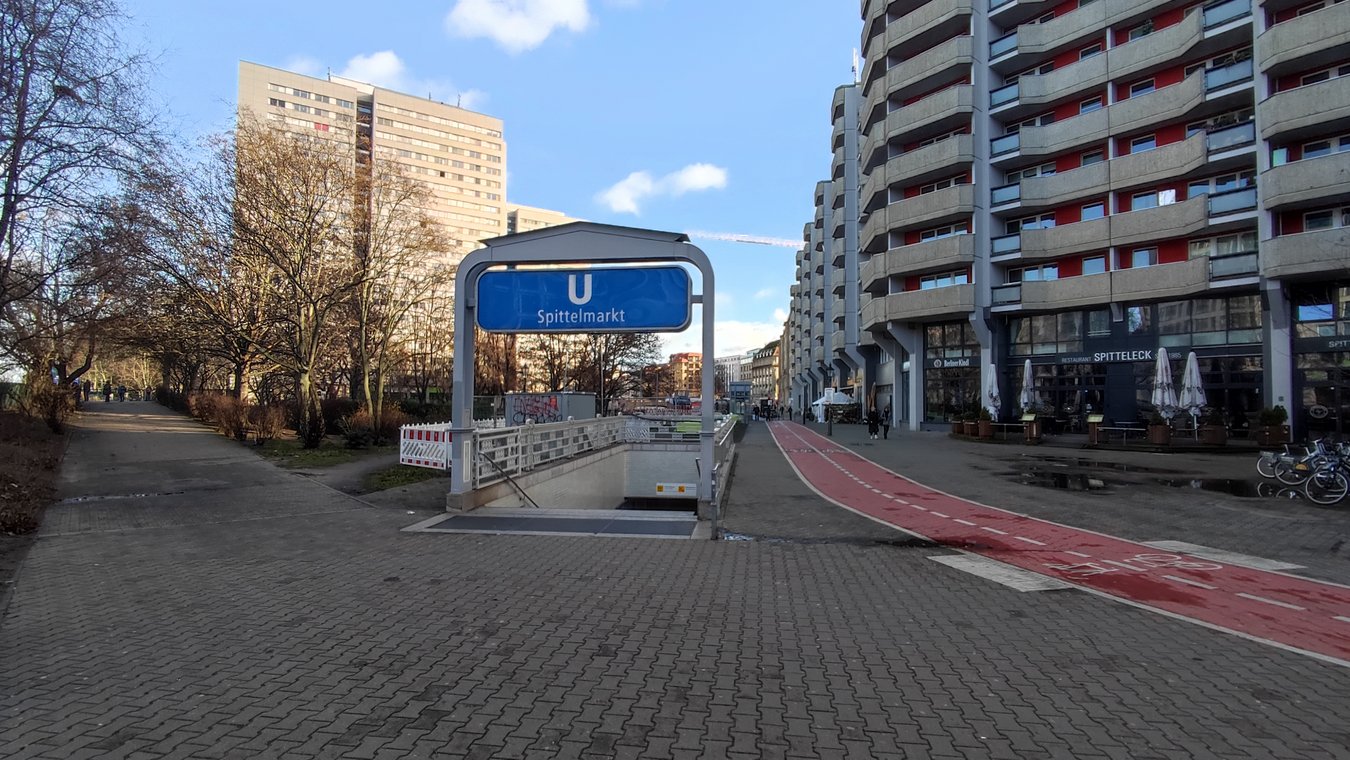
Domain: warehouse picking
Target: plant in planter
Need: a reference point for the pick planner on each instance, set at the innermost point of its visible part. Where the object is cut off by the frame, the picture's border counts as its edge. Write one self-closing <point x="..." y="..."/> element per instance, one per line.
<point x="1159" y="430"/>
<point x="984" y="423"/>
<point x="1214" y="428"/>
<point x="1273" y="425"/>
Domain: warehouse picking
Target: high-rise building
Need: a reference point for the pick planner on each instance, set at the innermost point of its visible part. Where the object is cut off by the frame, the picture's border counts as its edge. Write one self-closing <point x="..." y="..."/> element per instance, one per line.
<point x="526" y="218"/>
<point x="1082" y="185"/>
<point x="459" y="155"/>
<point x="686" y="371"/>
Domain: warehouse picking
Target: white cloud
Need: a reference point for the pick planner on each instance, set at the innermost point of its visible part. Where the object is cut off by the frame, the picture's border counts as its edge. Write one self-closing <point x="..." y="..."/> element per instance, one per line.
<point x="625" y="196"/>
<point x="780" y="315"/>
<point x="303" y="64"/>
<point x="764" y="293"/>
<point x="732" y="337"/>
<point x="723" y="299"/>
<point x="517" y="25"/>
<point x="385" y="69"/>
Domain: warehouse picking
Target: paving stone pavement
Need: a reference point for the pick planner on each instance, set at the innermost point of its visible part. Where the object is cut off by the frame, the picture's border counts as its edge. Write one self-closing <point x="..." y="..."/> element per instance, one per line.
<point x="283" y="620"/>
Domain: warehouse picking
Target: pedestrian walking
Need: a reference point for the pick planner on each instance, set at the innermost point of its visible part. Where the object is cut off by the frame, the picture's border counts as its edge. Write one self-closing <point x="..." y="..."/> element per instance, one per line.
<point x="121" y="393"/>
<point x="86" y="388"/>
<point x="107" y="391"/>
<point x="886" y="422"/>
<point x="873" y="422"/>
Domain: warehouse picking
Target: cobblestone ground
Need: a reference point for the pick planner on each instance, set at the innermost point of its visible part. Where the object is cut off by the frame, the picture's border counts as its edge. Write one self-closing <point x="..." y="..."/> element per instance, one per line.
<point x="282" y="620"/>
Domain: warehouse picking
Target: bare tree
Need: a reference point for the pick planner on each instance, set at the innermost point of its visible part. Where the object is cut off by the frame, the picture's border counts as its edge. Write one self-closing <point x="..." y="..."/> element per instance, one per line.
<point x="400" y="265"/>
<point x="71" y="118"/>
<point x="295" y="230"/>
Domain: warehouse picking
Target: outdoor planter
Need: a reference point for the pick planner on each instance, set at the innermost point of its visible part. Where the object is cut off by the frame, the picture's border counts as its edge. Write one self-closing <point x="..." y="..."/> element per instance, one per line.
<point x="985" y="428"/>
<point x="1159" y="435"/>
<point x="1272" y="435"/>
<point x="1213" y="435"/>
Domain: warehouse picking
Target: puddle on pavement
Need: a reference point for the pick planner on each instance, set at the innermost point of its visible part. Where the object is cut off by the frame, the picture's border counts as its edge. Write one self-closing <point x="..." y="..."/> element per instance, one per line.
<point x="1093" y="464"/>
<point x="1064" y="481"/>
<point x="1241" y="488"/>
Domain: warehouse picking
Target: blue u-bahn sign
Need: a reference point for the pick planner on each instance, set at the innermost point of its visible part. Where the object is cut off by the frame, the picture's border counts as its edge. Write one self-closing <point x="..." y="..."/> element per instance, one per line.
<point x="631" y="299"/>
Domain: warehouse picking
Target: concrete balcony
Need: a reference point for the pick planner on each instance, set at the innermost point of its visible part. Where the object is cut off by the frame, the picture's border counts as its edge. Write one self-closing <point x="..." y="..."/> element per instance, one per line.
<point x="1068" y="293"/>
<point x="837" y="341"/>
<point x="1154" y="166"/>
<point x="948" y="253"/>
<point x="1057" y="189"/>
<point x="1060" y="136"/>
<point x="837" y="163"/>
<point x="1160" y="223"/>
<point x="928" y="210"/>
<point x="1320" y="108"/>
<point x="1156" y="50"/>
<point x="940" y="112"/>
<point x="1052" y="243"/>
<point x="917" y="75"/>
<point x="1158" y="107"/>
<point x="1306" y="43"/>
<point x="934" y="161"/>
<point x="1320" y="255"/>
<point x="1031" y="94"/>
<point x="1161" y="281"/>
<point x="1063" y="32"/>
<point x="952" y="302"/>
<point x="909" y="35"/>
<point x="1313" y="181"/>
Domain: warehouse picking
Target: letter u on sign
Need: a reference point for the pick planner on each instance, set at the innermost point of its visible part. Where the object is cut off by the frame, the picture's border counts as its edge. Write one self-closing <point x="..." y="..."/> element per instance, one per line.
<point x="585" y="296"/>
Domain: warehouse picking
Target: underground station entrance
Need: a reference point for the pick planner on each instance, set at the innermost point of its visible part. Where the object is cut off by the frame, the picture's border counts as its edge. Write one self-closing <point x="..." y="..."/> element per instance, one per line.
<point x="646" y="475"/>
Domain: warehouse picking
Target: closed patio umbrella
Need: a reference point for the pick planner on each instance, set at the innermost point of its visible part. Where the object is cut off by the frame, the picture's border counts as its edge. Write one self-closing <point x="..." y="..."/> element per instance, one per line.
<point x="1028" y="397"/>
<point x="1164" y="397"/>
<point x="992" y="401"/>
<point x="1192" y="396"/>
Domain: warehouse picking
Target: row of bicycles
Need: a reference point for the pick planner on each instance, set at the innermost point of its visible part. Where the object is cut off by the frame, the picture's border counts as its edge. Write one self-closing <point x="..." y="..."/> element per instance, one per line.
<point x="1321" y="470"/>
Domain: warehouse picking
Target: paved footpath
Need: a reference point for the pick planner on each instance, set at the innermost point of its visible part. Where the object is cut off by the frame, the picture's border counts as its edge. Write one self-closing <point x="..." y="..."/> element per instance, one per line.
<point x="1282" y="609"/>
<point x="189" y="600"/>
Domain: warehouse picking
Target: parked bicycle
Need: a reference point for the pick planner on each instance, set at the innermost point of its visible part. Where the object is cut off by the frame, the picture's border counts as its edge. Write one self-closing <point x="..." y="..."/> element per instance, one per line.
<point x="1321" y="472"/>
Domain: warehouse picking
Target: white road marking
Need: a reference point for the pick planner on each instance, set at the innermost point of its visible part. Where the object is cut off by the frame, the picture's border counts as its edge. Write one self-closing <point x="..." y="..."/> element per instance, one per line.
<point x="1256" y="598"/>
<point x="1224" y="557"/>
<point x="1341" y="618"/>
<point x="1190" y="582"/>
<point x="963" y="522"/>
<point x="939" y="514"/>
<point x="1077" y="554"/>
<point x="1012" y="577"/>
<point x="993" y="530"/>
<point x="1030" y="540"/>
<point x="916" y="506"/>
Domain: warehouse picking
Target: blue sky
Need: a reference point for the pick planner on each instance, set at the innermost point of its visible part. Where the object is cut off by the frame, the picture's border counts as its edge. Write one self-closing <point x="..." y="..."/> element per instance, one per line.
<point x="683" y="115"/>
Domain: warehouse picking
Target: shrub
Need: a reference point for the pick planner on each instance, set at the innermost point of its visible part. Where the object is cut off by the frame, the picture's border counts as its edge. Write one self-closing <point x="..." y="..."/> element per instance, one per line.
<point x="359" y="429"/>
<point x="335" y="410"/>
<point x="267" y="422"/>
<point x="50" y="403"/>
<point x="312" y="435"/>
<point x="29" y="457"/>
<point x="232" y="417"/>
<point x="1273" y="416"/>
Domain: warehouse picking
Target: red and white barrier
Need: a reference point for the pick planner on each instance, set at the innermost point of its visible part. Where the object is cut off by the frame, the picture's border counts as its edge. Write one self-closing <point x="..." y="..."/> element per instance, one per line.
<point x="425" y="445"/>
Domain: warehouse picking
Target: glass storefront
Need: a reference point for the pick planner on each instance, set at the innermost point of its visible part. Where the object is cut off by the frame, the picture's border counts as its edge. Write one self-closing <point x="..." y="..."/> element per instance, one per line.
<point x="1322" y="361"/>
<point x="951" y="375"/>
<point x="1101" y="361"/>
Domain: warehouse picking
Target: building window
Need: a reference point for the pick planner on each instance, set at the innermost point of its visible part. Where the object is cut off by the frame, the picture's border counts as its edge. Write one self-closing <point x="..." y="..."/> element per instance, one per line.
<point x="1141" y="144"/>
<point x="943" y="280"/>
<point x="1094" y="211"/>
<point x="1089" y="51"/>
<point x="1094" y="265"/>
<point x="1099" y="323"/>
<point x="1046" y="334"/>
<point x="1038" y="222"/>
<point x="1140" y="201"/>
<point x="1221" y="183"/>
<point x="1143" y="257"/>
<point x="1142" y="30"/>
<point x="1091" y="157"/>
<point x="960" y="228"/>
<point x="942" y="184"/>
<point x="300" y="93"/>
<point x="1090" y="105"/>
<point x="1319" y="220"/>
<point x="1141" y="88"/>
<point x="1224" y="245"/>
<point x="276" y="102"/>
<point x="1044" y="170"/>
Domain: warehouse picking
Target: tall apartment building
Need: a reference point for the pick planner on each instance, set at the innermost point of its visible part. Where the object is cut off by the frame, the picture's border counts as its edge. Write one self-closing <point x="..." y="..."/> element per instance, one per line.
<point x="527" y="218"/>
<point x="459" y="155"/>
<point x="764" y="372"/>
<point x="1080" y="184"/>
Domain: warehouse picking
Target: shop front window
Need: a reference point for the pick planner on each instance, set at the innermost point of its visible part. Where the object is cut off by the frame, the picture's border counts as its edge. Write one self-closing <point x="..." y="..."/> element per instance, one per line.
<point x="1322" y="312"/>
<point x="1046" y="334"/>
<point x="951" y="375"/>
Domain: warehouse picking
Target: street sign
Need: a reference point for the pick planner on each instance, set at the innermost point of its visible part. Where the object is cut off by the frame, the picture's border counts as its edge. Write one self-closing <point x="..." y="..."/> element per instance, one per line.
<point x="631" y="299"/>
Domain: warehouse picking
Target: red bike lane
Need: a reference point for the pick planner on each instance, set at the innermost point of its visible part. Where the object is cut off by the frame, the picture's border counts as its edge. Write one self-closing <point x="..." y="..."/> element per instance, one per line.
<point x="1297" y="613"/>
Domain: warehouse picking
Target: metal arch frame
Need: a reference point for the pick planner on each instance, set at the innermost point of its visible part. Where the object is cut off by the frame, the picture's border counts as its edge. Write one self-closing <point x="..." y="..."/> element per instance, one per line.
<point x="575" y="243"/>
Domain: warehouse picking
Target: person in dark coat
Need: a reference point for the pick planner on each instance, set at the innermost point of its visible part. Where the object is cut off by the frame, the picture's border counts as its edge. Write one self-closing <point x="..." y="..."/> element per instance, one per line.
<point x="873" y="422"/>
<point x="886" y="422"/>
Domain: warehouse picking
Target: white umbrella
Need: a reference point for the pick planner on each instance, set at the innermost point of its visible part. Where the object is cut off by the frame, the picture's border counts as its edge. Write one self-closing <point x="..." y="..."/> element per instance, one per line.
<point x="1192" y="396"/>
<point x="992" y="401"/>
<point x="1028" y="397"/>
<point x="1164" y="396"/>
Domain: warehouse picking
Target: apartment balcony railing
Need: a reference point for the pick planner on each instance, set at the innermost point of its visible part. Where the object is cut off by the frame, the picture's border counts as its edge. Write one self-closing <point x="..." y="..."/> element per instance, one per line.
<point x="1312" y="181"/>
<point x="1158" y="281"/>
<point x="1244" y="264"/>
<point x="1306" y="253"/>
<point x="1227" y="76"/>
<point x="1305" y="111"/>
<point x="1232" y="202"/>
<point x="1062" y="29"/>
<point x="1305" y="42"/>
